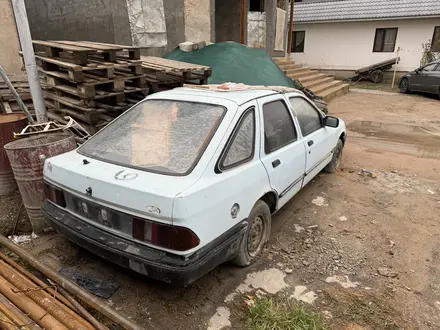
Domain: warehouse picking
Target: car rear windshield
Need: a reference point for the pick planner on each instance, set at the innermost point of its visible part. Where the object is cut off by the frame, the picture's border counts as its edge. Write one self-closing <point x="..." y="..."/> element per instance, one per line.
<point x="161" y="136"/>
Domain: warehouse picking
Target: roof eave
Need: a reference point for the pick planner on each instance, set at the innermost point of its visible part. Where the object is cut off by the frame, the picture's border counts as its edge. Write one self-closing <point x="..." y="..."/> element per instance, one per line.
<point x="367" y="19"/>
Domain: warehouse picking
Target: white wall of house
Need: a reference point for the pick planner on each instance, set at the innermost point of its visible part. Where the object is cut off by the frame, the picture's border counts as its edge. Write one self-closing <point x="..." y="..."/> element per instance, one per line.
<point x="349" y="45"/>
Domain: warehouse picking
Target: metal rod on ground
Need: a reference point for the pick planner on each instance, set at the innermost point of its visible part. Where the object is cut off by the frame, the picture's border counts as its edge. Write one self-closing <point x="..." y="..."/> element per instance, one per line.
<point x="243" y="22"/>
<point x="59" y="311"/>
<point x="50" y="294"/>
<point x="21" y="21"/>
<point x="6" y="323"/>
<point x="290" y="36"/>
<point x="89" y="317"/>
<point x="19" y="318"/>
<point x="15" y="94"/>
<point x="395" y="67"/>
<point x="35" y="312"/>
<point x="71" y="287"/>
<point x="36" y="280"/>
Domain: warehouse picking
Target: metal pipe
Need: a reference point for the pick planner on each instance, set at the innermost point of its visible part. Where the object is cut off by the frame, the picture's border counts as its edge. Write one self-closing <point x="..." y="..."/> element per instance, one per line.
<point x="89" y="317"/>
<point x="16" y="95"/>
<point x="35" y="312"/>
<point x="243" y="22"/>
<point x="71" y="287"/>
<point x="50" y="304"/>
<point x="19" y="318"/>
<point x="36" y="280"/>
<point x="289" y="43"/>
<point x="21" y="21"/>
<point x="6" y="323"/>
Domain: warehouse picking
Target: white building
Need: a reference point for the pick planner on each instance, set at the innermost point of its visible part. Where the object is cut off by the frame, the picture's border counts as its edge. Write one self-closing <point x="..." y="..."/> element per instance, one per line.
<point x="343" y="36"/>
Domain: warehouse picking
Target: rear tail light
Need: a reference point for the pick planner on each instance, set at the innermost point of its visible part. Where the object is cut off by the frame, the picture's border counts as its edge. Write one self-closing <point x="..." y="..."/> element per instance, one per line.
<point x="170" y="237"/>
<point x="55" y="195"/>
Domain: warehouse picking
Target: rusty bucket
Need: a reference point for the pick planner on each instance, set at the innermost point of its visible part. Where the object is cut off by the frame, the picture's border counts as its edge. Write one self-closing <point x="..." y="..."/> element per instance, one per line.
<point x="9" y="123"/>
<point x="27" y="158"/>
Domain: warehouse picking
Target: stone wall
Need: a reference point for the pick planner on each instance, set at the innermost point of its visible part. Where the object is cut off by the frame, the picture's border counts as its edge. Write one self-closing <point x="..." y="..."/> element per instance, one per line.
<point x="9" y="42"/>
<point x="199" y="16"/>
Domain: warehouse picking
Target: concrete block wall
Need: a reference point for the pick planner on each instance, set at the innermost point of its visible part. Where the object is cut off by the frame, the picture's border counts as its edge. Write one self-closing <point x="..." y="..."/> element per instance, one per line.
<point x="9" y="41"/>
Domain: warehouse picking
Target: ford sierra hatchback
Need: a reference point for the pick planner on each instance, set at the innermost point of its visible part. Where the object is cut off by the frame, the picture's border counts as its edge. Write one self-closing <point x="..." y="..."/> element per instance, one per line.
<point x="189" y="178"/>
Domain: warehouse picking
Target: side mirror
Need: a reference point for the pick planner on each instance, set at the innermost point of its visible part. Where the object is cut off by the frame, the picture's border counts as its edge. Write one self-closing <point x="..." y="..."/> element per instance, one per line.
<point x="417" y="70"/>
<point x="331" y="121"/>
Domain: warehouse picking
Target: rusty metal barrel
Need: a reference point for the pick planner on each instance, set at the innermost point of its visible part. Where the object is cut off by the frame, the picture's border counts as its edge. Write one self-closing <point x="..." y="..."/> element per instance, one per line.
<point x="9" y="124"/>
<point x="27" y="158"/>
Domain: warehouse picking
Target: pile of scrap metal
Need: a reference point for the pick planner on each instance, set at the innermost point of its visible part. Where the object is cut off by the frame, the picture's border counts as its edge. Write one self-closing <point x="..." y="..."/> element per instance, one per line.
<point x="81" y="135"/>
<point x="27" y="302"/>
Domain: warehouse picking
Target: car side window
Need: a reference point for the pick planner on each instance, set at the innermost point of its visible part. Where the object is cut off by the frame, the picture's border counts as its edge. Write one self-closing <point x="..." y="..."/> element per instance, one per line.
<point x="309" y="118"/>
<point x="241" y="147"/>
<point x="279" y="129"/>
<point x="429" y="67"/>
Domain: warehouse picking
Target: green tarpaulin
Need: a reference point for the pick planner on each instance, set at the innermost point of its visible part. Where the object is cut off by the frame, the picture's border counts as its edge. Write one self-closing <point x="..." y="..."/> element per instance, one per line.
<point x="234" y="62"/>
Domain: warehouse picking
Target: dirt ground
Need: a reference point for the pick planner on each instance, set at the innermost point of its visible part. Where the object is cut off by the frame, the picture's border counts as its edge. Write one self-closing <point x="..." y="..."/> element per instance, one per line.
<point x="362" y="245"/>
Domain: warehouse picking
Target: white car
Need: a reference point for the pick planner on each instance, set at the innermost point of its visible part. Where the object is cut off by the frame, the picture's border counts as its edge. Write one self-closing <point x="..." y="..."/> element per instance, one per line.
<point x="189" y="178"/>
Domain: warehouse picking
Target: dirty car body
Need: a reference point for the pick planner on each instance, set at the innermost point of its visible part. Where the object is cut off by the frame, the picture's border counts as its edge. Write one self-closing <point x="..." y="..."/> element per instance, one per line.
<point x="170" y="189"/>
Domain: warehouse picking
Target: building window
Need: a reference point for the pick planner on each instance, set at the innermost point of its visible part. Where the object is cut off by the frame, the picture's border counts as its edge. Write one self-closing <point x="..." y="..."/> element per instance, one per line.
<point x="435" y="46"/>
<point x="256" y="5"/>
<point x="385" y="40"/>
<point x="298" y="38"/>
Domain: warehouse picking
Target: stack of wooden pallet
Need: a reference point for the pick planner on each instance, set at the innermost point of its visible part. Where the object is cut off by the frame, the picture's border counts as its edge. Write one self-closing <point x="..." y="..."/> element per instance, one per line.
<point x="89" y="81"/>
<point x="8" y="104"/>
<point x="163" y="74"/>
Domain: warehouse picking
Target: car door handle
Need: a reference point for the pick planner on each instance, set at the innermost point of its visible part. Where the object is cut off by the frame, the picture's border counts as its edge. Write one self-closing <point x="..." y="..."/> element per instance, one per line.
<point x="276" y="162"/>
<point x="310" y="143"/>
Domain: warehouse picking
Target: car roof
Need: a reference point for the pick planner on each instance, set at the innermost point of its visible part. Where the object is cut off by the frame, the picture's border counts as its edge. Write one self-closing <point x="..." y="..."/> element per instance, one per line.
<point x="238" y="93"/>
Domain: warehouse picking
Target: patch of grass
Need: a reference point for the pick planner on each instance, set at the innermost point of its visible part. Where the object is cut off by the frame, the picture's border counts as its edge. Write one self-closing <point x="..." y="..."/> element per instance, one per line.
<point x="374" y="311"/>
<point x="267" y="314"/>
<point x="378" y="87"/>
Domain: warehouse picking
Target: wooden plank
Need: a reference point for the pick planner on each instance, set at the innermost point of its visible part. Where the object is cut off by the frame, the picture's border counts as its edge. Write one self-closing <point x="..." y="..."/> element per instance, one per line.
<point x="172" y="63"/>
<point x="64" y="47"/>
<point x="68" y="63"/>
<point x="61" y="63"/>
<point x="92" y="45"/>
<point x="7" y="107"/>
<point x="378" y="65"/>
<point x="124" y="47"/>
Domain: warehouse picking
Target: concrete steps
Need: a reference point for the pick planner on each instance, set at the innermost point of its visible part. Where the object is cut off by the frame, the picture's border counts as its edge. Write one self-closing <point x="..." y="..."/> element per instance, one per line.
<point x="322" y="85"/>
<point x="318" y="81"/>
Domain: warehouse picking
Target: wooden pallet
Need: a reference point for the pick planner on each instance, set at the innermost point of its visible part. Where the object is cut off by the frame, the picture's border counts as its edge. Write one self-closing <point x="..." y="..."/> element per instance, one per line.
<point x="8" y="104"/>
<point x="76" y="73"/>
<point x="87" y="90"/>
<point x="80" y="51"/>
<point x="162" y="69"/>
<point x="107" y="97"/>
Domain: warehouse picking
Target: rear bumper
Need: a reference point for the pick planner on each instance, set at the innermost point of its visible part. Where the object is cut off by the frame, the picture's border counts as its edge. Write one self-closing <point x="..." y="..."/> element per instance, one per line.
<point x="154" y="263"/>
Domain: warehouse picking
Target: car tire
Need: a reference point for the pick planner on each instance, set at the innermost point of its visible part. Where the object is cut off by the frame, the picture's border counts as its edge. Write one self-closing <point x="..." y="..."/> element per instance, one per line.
<point x="257" y="235"/>
<point x="404" y="86"/>
<point x="335" y="163"/>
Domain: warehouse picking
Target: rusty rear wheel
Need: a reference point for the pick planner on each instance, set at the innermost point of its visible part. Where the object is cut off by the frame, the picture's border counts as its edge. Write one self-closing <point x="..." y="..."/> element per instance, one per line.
<point x="257" y="235"/>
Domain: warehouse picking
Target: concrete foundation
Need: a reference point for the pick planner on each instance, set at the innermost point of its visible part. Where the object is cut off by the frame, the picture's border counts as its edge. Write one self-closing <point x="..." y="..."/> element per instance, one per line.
<point x="347" y="74"/>
<point x="9" y="42"/>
